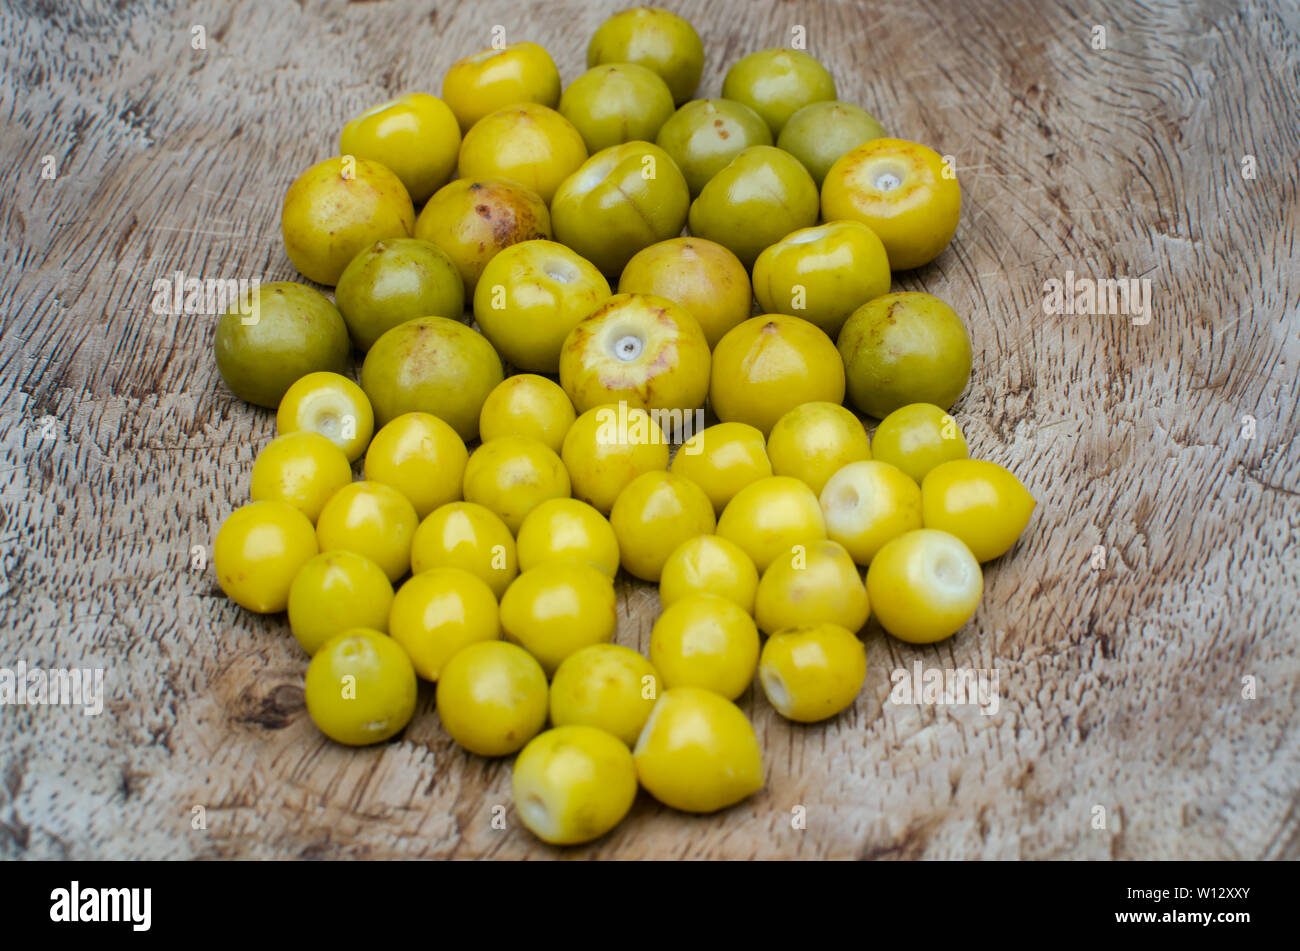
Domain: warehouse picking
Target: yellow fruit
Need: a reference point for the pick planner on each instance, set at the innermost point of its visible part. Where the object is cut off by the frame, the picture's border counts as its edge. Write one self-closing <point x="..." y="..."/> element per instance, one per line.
<point x="512" y="474"/>
<point x="492" y="698"/>
<point x="258" y="551"/>
<point x="373" y="520"/>
<point x="469" y="536"/>
<point x="813" y="671"/>
<point x="866" y="504"/>
<point x="567" y="530"/>
<point x="496" y="78"/>
<point x="558" y="608"/>
<point x="336" y="591"/>
<point x="709" y="564"/>
<point x="573" y="784"/>
<point x="415" y="135"/>
<point x="606" y="686"/>
<point x="527" y="405"/>
<point x="360" y="688"/>
<point x="439" y="612"/>
<point x="525" y="143"/>
<point x="653" y="515"/>
<point x="420" y="456"/>
<point x="705" y="641"/>
<point x="812" y="584"/>
<point x="699" y="275"/>
<point x="768" y="516"/>
<point x="924" y="586"/>
<point x="329" y="404"/>
<point x="916" y="438"/>
<point x="722" y="460"/>
<point x="814" y="441"/>
<point x="980" y="502"/>
<point x="301" y="469"/>
<point x="609" y="446"/>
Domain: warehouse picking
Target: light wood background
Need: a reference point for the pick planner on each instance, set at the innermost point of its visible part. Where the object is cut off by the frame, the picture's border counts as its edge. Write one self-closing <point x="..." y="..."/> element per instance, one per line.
<point x="1121" y="687"/>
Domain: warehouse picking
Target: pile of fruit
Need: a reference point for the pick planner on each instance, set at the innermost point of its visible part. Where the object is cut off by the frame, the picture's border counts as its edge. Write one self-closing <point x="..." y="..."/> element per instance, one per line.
<point x="491" y="572"/>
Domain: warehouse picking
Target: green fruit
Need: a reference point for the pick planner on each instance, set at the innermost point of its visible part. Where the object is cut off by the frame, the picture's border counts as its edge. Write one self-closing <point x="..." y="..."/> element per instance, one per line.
<point x="820" y="133"/>
<point x="704" y="135"/>
<point x="431" y="365"/>
<point x="395" y="280"/>
<point x="778" y="83"/>
<point x="292" y="330"/>
<point x="656" y="39"/>
<point x="905" y="348"/>
<point x="761" y="196"/>
<point x="617" y="103"/>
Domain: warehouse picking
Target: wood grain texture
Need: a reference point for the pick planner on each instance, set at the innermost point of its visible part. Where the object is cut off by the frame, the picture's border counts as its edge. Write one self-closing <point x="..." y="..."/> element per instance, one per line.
<point x="1120" y="687"/>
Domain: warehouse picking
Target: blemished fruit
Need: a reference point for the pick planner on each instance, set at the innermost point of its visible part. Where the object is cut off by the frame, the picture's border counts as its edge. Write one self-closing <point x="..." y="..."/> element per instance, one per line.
<point x="644" y="350"/>
<point x="567" y="530"/>
<point x="360" y="688"/>
<point x="284" y="332"/>
<point x="777" y="83"/>
<point x="415" y="136"/>
<point x="472" y="220"/>
<point x="770" y="515"/>
<point x="709" y="564"/>
<point x="980" y="502"/>
<point x="866" y="504"/>
<point x="258" y="551"/>
<point x="656" y="39"/>
<point x="573" y="784"/>
<point x="916" y="438"/>
<point x="812" y="672"/>
<point x="607" y="686"/>
<point x="302" y="469"/>
<point x="616" y="103"/>
<point x="705" y="641"/>
<point x="513" y="474"/>
<point x="439" y="612"/>
<point x="697" y="752"/>
<point x="704" y="135"/>
<point x="420" y="456"/>
<point x="525" y="143"/>
<point x="811" y="584"/>
<point x="332" y="405"/>
<point x="607" y="447"/>
<point x="336" y="209"/>
<point x="768" y="365"/>
<point x="653" y="515"/>
<point x="527" y="405"/>
<point x="530" y="296"/>
<point x="373" y="520"/>
<point x="906" y="193"/>
<point x="492" y="698"/>
<point x="814" y="441"/>
<point x="396" y="280"/>
<point x="557" y="608"/>
<point x="699" y="275"/>
<point x="819" y="133"/>
<point x="722" y="460"/>
<point x="335" y="591"/>
<point x="495" y="78"/>
<point x="924" y="585"/>
<point x="469" y="536"/>
<point x="904" y="348"/>
<point x="432" y="365"/>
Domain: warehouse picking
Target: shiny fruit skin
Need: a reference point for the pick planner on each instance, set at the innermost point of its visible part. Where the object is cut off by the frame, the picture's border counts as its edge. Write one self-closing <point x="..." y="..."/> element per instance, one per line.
<point x="811" y="584"/>
<point x="493" y="79"/>
<point x="709" y="564"/>
<point x="704" y="135"/>
<point x="396" y="280"/>
<point x="769" y="515"/>
<point x="572" y="784"/>
<point x="697" y="752"/>
<point x="492" y="698"/>
<point x="980" y="502"/>
<point x="527" y="143"/>
<point x="916" y="438"/>
<point x="610" y="687"/>
<point x="777" y="83"/>
<point x="332" y="405"/>
<point x="336" y="209"/>
<point x="701" y="276"/>
<point x="653" y="515"/>
<point x="557" y="608"/>
<point x="814" y="441"/>
<point x="439" y="612"/>
<point x="469" y="536"/>
<point x="415" y="136"/>
<point x="360" y="688"/>
<point x="373" y="520"/>
<point x="705" y="641"/>
<point x="527" y="405"/>
<point x="472" y="220"/>
<point x="924" y="585"/>
<point x="813" y="671"/>
<point x="567" y="530"/>
<point x="513" y="474"/>
<point x="768" y="365"/>
<point x="903" y="191"/>
<point x="757" y="199"/>
<point x="292" y="330"/>
<point x="722" y="460"/>
<point x="822" y="274"/>
<point x="866" y="504"/>
<point x="335" y="591"/>
<point x="420" y="456"/>
<point x="621" y="200"/>
<point x="607" y="447"/>
<point x="904" y="348"/>
<point x="656" y="39"/>
<point x="616" y="103"/>
<point x="258" y="551"/>
<point x="530" y="296"/>
<point x="302" y="469"/>
<point x="432" y="365"/>
<point x="819" y="133"/>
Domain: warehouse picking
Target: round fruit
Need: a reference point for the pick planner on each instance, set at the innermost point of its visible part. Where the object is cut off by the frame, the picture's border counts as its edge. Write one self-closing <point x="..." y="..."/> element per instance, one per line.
<point x="396" y="280"/>
<point x="701" y="276"/>
<point x="567" y="530"/>
<point x="811" y="584"/>
<point x="609" y="446"/>
<point x="496" y="78"/>
<point x="373" y="520"/>
<point x="301" y="469"/>
<point x="258" y="551"/>
<point x="512" y="475"/>
<point x="332" y="405"/>
<point x="616" y="103"/>
<point x="573" y="784"/>
<point x="697" y="752"/>
<point x="527" y="143"/>
<point x="905" y="348"/>
<point x="653" y="515"/>
<point x="866" y="504"/>
<point x="289" y="331"/>
<point x="469" y="536"/>
<point x="530" y="296"/>
<point x="360" y="688"/>
<point x="527" y="405"/>
<point x="722" y="460"/>
<point x="819" y="133"/>
<point x="557" y="608"/>
<point x="709" y="564"/>
<point x="607" y="686"/>
<point x="704" y="135"/>
<point x="769" y="516"/>
<point x="420" y="456"/>
<point x="415" y="136"/>
<point x="813" y="671"/>
<point x="656" y="39"/>
<point x="492" y="698"/>
<point x="924" y="586"/>
<point x="705" y="641"/>
<point x="432" y="365"/>
<point x="440" y="612"/>
<point x="335" y="591"/>
<point x="778" y="83"/>
<point x="980" y="502"/>
<point x="814" y="441"/>
<point x="916" y="438"/>
<point x="336" y="209"/>
<point x="769" y="365"/>
<point x="906" y="193"/>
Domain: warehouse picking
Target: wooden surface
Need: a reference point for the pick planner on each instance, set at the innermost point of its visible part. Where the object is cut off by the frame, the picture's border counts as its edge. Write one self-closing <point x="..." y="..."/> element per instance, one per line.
<point x="1121" y="687"/>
